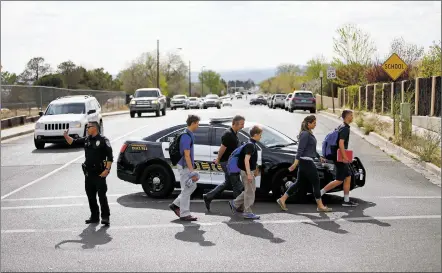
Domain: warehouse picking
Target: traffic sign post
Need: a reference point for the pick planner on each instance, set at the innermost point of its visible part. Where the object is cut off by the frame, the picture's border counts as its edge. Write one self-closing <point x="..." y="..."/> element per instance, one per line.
<point x="331" y="74"/>
<point x="303" y="86"/>
<point x="394" y="66"/>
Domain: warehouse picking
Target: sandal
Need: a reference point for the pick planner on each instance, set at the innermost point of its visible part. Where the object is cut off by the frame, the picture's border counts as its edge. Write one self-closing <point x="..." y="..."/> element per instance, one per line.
<point x="325" y="209"/>
<point x="282" y="205"/>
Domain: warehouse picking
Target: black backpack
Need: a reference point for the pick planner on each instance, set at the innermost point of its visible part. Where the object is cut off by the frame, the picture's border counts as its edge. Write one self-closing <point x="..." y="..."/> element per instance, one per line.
<point x="174" y="148"/>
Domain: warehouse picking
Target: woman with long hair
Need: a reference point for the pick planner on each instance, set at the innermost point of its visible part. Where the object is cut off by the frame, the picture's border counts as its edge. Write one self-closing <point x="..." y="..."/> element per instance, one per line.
<point x="307" y="170"/>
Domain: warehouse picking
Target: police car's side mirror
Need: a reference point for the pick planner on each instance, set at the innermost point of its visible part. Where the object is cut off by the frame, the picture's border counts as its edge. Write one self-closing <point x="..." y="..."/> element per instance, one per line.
<point x="40" y="113"/>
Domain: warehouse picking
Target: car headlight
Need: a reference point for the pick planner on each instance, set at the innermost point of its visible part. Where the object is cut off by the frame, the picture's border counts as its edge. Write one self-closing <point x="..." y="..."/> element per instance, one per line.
<point x="133" y="102"/>
<point x="39" y="125"/>
<point x="154" y="101"/>
<point x="75" y="124"/>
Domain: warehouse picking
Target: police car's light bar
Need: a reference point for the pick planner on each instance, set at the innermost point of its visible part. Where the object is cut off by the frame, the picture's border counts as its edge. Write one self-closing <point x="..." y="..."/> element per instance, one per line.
<point x="220" y="120"/>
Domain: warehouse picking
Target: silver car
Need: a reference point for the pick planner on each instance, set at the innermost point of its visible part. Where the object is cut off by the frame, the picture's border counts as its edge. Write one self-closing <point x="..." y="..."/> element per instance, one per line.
<point x="179" y="101"/>
<point x="212" y="100"/>
<point x="287" y="101"/>
<point x="303" y="100"/>
<point x="194" y="103"/>
<point x="278" y="101"/>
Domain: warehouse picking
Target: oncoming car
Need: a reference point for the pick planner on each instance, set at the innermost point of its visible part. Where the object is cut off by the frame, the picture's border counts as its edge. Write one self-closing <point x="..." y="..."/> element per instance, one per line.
<point x="146" y="162"/>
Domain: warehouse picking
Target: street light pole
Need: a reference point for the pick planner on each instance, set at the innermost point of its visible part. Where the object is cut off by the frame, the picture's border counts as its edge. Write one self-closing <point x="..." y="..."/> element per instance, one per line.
<point x="202" y="81"/>
<point x="321" y="74"/>
<point x="158" y="63"/>
<point x="190" y="82"/>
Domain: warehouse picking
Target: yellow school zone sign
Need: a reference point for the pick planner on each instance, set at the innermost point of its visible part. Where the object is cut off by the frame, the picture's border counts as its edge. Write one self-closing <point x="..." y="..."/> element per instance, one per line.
<point x="394" y="66"/>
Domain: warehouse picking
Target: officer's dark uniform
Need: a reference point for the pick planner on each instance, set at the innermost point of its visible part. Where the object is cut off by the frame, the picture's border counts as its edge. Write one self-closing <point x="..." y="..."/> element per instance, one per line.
<point x="97" y="151"/>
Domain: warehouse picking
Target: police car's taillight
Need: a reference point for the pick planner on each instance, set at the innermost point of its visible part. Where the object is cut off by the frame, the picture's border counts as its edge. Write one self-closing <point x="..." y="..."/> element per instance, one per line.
<point x="123" y="148"/>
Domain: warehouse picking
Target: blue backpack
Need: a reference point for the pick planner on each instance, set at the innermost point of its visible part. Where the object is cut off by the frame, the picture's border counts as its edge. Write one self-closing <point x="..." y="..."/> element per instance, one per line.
<point x="232" y="163"/>
<point x="330" y="144"/>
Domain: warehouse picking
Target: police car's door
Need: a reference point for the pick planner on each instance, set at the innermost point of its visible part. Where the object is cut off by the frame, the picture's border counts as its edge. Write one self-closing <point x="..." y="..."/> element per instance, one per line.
<point x="201" y="151"/>
<point x="217" y="174"/>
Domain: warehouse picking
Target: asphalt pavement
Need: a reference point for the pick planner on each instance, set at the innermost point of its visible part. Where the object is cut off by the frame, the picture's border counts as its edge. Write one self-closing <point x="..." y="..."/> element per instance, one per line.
<point x="396" y="227"/>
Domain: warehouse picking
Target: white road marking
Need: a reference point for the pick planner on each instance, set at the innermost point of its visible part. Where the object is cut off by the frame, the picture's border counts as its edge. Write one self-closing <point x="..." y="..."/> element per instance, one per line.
<point x="64" y="166"/>
<point x="245" y="222"/>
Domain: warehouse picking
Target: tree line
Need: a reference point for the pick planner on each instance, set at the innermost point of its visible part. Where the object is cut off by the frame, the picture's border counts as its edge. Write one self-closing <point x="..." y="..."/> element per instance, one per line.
<point x="141" y="73"/>
<point x="356" y="62"/>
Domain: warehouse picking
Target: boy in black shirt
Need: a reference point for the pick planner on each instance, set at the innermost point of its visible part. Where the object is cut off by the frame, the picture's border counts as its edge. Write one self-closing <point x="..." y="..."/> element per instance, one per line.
<point x="247" y="163"/>
<point x="343" y="173"/>
<point x="229" y="142"/>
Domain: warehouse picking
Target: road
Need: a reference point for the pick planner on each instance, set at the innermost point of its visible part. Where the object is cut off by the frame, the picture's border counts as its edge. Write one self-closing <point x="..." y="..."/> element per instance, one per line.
<point x="397" y="226"/>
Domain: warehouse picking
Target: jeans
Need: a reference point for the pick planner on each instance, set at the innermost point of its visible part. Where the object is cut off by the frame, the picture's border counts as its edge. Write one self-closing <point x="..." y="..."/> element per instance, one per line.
<point x="306" y="172"/>
<point x="183" y="200"/>
<point x="247" y="197"/>
<point x="235" y="184"/>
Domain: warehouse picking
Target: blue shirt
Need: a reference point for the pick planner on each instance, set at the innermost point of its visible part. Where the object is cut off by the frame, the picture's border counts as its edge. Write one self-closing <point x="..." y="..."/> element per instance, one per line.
<point x="185" y="142"/>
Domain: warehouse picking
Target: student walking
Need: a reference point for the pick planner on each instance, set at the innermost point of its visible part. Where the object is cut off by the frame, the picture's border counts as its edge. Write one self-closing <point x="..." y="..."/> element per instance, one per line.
<point x="307" y="170"/>
<point x="229" y="142"/>
<point x="343" y="174"/>
<point x="181" y="205"/>
<point x="247" y="159"/>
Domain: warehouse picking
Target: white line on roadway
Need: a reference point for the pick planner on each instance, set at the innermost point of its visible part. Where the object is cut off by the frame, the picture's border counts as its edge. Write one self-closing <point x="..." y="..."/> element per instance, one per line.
<point x="336" y="219"/>
<point x="64" y="166"/>
<point x="198" y="201"/>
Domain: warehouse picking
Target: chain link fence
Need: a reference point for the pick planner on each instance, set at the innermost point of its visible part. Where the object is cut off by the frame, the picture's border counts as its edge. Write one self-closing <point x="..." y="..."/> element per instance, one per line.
<point x="19" y="100"/>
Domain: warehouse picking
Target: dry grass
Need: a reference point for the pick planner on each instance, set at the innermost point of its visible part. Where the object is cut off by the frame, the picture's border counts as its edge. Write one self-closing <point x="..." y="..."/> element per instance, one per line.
<point x="427" y="147"/>
<point x="374" y="124"/>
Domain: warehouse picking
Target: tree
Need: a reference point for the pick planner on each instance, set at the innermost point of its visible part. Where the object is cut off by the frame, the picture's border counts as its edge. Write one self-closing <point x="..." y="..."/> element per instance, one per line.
<point x="289" y="69"/>
<point x="431" y="64"/>
<point x="54" y="80"/>
<point x="72" y="75"/>
<point x="212" y="80"/>
<point x="353" y="45"/>
<point x="409" y="53"/>
<point x="35" y="68"/>
<point x="8" y="78"/>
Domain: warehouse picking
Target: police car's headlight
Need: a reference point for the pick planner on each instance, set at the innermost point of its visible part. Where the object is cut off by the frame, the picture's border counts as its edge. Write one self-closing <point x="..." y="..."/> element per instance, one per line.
<point x="39" y="125"/>
<point x="133" y="102"/>
<point x="75" y="124"/>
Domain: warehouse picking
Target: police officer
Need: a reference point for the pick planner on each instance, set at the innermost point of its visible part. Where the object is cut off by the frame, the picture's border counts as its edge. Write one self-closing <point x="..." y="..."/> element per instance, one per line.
<point x="99" y="158"/>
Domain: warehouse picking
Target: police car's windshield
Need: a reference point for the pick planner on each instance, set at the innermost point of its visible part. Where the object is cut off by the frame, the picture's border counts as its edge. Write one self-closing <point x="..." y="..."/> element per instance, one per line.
<point x="273" y="138"/>
<point x="146" y="93"/>
<point x="67" y="108"/>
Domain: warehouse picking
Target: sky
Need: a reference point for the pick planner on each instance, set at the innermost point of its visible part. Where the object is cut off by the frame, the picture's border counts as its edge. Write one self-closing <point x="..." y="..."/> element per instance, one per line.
<point x="222" y="36"/>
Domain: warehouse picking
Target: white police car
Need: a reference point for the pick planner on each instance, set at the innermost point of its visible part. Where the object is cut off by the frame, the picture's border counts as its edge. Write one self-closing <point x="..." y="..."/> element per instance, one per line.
<point x="71" y="112"/>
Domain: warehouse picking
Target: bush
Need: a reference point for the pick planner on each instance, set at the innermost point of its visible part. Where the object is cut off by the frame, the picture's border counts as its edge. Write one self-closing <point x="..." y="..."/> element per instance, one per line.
<point x="427" y="147"/>
<point x="360" y="121"/>
<point x="374" y="124"/>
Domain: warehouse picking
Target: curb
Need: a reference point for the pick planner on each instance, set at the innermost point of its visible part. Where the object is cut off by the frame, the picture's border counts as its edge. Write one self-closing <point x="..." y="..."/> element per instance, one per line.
<point x="32" y="130"/>
<point x="391" y="148"/>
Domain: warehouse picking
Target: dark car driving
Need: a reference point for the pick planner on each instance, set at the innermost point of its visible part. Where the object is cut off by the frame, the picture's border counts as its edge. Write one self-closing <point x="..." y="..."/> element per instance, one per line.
<point x="260" y="100"/>
<point x="146" y="161"/>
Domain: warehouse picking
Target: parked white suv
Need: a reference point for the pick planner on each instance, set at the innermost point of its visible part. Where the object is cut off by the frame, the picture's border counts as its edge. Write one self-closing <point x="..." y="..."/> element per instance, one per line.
<point x="73" y="112"/>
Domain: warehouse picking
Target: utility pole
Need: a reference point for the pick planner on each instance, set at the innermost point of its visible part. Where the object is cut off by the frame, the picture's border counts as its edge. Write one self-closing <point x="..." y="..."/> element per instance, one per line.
<point x="202" y="81"/>
<point x="190" y="82"/>
<point x="158" y="63"/>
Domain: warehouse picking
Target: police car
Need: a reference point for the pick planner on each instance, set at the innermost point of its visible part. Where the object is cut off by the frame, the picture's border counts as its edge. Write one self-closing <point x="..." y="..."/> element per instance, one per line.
<point x="147" y="162"/>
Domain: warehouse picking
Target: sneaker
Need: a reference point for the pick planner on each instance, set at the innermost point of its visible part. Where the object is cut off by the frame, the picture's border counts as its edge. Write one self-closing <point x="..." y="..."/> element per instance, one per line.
<point x="251" y="216"/>
<point x="175" y="209"/>
<point x="188" y="218"/>
<point x="232" y="207"/>
<point x="349" y="204"/>
<point x="206" y="201"/>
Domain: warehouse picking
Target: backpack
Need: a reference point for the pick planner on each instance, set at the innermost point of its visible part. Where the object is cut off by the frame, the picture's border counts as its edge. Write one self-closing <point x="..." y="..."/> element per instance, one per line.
<point x="232" y="163"/>
<point x="174" y="148"/>
<point x="330" y="144"/>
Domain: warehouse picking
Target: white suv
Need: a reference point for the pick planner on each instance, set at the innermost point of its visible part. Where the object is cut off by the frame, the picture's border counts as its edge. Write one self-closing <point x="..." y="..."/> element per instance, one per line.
<point x="73" y="113"/>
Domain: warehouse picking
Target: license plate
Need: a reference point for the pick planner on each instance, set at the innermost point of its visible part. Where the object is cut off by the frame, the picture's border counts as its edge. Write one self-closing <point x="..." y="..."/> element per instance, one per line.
<point x="303" y="100"/>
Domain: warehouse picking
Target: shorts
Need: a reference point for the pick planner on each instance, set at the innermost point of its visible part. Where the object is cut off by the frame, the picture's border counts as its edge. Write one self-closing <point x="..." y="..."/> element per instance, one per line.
<point x="342" y="171"/>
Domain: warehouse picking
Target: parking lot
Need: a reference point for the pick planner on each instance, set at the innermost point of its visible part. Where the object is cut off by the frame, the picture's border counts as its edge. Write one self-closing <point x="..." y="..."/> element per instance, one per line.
<point x="396" y="227"/>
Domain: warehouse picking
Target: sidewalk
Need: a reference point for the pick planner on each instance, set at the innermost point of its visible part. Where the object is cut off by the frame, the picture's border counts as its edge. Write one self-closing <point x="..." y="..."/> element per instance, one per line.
<point x="29" y="128"/>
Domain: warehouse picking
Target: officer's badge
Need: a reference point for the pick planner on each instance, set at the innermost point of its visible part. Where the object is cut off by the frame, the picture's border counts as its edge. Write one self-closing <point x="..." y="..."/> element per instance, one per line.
<point x="108" y="143"/>
<point x="97" y="143"/>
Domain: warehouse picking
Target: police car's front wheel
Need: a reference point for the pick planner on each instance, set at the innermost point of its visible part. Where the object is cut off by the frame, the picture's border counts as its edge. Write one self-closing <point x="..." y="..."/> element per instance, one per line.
<point x="157" y="181"/>
<point x="282" y="180"/>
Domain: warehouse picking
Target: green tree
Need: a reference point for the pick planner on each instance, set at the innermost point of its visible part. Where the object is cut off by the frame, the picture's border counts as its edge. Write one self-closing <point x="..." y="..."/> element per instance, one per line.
<point x="353" y="45"/>
<point x="35" y="68"/>
<point x="212" y="80"/>
<point x="8" y="78"/>
<point x="288" y="69"/>
<point x="431" y="64"/>
<point x="408" y="52"/>
<point x="54" y="80"/>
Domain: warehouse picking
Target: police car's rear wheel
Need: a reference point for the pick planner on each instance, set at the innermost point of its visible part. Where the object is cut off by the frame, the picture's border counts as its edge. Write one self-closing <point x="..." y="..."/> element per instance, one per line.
<point x="156" y="181"/>
<point x="280" y="185"/>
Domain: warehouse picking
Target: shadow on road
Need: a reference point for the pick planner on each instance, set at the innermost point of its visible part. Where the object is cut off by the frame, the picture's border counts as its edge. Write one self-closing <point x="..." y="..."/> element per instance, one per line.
<point x="192" y="233"/>
<point x="256" y="229"/>
<point x="90" y="237"/>
<point x="58" y="149"/>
